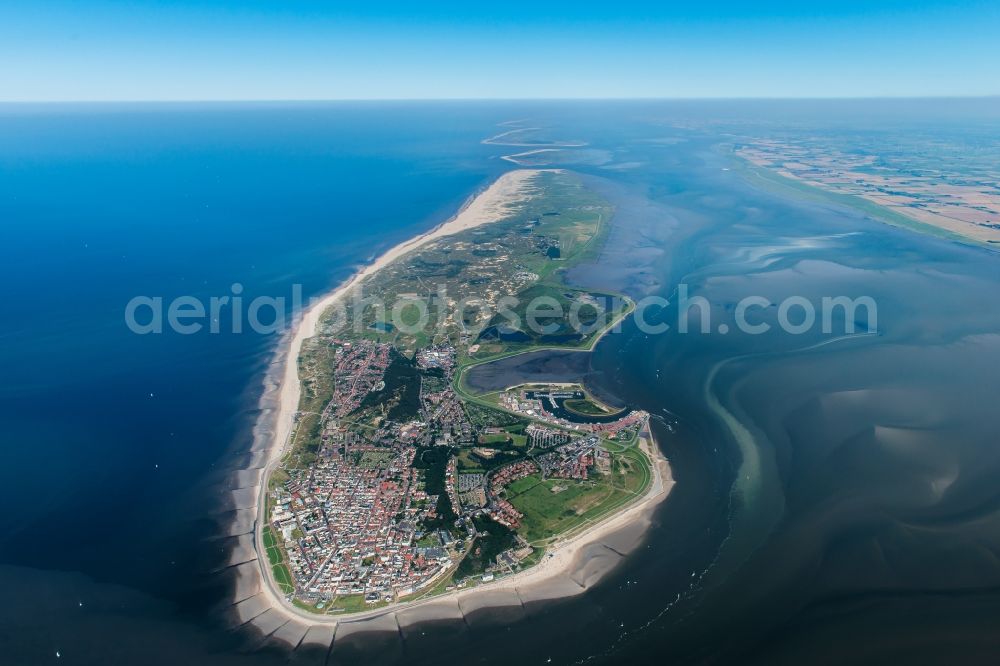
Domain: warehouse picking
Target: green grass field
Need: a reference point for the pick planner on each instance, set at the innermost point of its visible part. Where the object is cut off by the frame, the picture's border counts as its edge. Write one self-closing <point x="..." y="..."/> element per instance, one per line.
<point x="586" y="407"/>
<point x="498" y="438"/>
<point x="374" y="459"/>
<point x="351" y="603"/>
<point x="522" y="485"/>
<point x="548" y="514"/>
<point x="277" y="561"/>
<point x="631" y="470"/>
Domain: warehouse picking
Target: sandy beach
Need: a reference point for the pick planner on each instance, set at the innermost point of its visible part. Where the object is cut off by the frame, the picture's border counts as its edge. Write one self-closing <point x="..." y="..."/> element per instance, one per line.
<point x="562" y="571"/>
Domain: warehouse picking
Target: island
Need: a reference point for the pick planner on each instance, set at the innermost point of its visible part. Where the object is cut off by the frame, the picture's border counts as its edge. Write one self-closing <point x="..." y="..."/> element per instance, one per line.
<point x="391" y="479"/>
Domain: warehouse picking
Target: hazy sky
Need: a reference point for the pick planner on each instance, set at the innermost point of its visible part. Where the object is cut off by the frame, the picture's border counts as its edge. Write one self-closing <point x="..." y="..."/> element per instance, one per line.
<point x="306" y="49"/>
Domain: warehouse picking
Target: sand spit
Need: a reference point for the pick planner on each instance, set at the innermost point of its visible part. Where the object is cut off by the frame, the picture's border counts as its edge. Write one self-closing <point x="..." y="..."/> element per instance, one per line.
<point x="516" y="158"/>
<point x="505" y="139"/>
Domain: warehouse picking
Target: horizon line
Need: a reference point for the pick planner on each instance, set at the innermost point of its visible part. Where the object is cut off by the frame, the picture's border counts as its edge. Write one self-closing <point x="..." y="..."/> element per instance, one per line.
<point x="651" y="98"/>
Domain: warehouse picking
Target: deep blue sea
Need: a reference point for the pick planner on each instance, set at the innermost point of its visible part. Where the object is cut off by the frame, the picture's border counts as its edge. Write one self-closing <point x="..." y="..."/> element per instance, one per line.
<point x="110" y="438"/>
<point x="867" y="532"/>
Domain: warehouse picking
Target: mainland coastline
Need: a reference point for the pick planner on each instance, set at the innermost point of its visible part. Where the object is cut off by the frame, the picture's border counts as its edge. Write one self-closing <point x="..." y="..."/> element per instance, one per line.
<point x="565" y="569"/>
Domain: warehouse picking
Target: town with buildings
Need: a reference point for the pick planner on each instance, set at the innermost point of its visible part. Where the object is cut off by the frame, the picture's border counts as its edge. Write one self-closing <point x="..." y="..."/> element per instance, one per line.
<point x="393" y="499"/>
